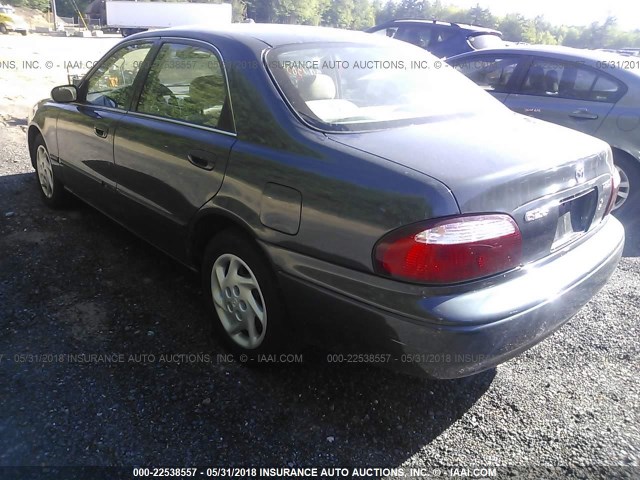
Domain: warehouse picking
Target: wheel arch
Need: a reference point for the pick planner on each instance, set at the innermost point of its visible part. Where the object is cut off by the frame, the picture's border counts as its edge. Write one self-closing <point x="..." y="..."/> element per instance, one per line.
<point x="210" y="224"/>
<point x="620" y="152"/>
<point x="31" y="138"/>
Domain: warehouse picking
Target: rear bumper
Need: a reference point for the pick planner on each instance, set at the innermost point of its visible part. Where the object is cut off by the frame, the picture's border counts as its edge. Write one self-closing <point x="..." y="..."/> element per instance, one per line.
<point x="443" y="332"/>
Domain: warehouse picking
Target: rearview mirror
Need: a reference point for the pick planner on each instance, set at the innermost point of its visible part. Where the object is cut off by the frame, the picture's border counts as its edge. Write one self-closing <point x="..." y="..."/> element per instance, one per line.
<point x="65" y="94"/>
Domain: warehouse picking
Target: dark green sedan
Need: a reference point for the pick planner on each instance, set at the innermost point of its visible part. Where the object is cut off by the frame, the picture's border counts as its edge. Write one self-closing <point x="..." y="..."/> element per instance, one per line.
<point x="338" y="188"/>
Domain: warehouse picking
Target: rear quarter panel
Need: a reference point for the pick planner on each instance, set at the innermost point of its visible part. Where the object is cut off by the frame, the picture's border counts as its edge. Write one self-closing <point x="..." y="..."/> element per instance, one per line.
<point x="348" y="200"/>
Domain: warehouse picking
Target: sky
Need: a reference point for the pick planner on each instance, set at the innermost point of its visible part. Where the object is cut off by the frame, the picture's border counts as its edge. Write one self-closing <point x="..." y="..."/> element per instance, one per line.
<point x="568" y="12"/>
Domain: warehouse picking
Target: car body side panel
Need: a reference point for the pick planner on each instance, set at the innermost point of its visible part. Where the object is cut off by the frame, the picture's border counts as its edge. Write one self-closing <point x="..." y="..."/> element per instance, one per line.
<point x="581" y="115"/>
<point x="621" y="128"/>
<point x="358" y="199"/>
<point x="161" y="188"/>
<point x="361" y="197"/>
<point x="85" y="150"/>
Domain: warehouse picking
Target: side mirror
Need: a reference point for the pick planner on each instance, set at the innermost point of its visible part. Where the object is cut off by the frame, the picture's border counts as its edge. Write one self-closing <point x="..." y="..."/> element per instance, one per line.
<point x="65" y="94"/>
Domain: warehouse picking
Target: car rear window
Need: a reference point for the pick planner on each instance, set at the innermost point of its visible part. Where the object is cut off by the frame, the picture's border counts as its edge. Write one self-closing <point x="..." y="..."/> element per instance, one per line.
<point x="485" y="40"/>
<point x="353" y="87"/>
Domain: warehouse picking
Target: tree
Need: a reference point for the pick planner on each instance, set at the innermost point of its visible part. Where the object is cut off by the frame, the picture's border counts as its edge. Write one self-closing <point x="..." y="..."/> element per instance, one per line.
<point x="512" y="27"/>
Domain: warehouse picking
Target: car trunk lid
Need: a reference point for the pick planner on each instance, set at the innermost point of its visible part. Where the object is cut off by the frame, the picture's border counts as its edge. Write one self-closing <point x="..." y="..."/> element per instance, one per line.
<point x="553" y="181"/>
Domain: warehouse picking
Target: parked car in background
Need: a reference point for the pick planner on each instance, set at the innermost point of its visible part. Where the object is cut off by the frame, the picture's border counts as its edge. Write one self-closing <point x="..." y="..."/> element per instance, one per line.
<point x="594" y="92"/>
<point x="10" y="21"/>
<point x="325" y="192"/>
<point x="442" y="39"/>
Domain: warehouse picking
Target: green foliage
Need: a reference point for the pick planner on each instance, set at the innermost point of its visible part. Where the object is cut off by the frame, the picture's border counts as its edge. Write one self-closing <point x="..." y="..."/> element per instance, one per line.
<point x="42" y="5"/>
<point x="361" y="14"/>
<point x="354" y="14"/>
<point x="514" y="26"/>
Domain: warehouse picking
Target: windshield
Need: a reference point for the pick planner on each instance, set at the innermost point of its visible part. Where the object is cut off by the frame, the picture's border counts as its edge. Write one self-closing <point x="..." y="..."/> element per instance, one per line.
<point x="351" y="87"/>
<point x="8" y="10"/>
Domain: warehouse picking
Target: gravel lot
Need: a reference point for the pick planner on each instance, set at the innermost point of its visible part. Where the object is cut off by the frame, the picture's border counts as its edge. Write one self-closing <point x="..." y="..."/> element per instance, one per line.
<point x="73" y="282"/>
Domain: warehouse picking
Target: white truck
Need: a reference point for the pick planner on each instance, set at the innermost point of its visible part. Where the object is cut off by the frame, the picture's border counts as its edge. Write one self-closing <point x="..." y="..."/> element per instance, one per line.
<point x="133" y="17"/>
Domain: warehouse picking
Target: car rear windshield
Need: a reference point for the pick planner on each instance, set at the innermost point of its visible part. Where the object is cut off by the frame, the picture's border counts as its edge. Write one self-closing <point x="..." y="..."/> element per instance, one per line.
<point x="353" y="87"/>
<point x="485" y="40"/>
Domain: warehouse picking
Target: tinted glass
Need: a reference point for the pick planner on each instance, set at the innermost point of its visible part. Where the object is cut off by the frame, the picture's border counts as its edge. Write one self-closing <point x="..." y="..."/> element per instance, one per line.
<point x="418" y="35"/>
<point x="605" y="89"/>
<point x="112" y="84"/>
<point x="569" y="80"/>
<point x="386" y="32"/>
<point x="491" y="73"/>
<point x="486" y="40"/>
<point x="187" y="83"/>
<point x="358" y="87"/>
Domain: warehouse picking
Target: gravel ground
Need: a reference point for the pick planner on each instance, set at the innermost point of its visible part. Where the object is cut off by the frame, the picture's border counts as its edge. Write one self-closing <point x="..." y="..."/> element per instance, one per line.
<point x="73" y="282"/>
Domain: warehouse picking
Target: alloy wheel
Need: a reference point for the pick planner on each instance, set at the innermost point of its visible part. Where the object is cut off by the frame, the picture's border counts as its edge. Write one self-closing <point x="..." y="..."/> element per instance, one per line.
<point x="623" y="189"/>
<point x="238" y="300"/>
<point x="45" y="171"/>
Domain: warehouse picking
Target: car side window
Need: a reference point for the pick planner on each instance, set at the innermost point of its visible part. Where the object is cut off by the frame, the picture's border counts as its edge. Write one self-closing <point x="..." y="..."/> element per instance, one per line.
<point x="112" y="83"/>
<point x="491" y="73"/>
<point x="440" y="35"/>
<point x="419" y="35"/>
<point x="569" y="80"/>
<point x="187" y="83"/>
<point x="605" y="90"/>
<point x="386" y="32"/>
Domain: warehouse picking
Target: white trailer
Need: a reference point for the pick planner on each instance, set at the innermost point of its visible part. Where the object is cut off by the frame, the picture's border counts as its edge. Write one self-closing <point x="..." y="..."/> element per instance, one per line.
<point x="133" y="17"/>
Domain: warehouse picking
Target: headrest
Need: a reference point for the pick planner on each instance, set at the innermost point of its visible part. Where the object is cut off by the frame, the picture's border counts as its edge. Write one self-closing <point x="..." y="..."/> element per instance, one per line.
<point x="316" y="87"/>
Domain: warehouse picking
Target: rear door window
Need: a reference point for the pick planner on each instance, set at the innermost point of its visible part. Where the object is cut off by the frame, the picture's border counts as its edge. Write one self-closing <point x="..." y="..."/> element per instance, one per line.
<point x="570" y="80"/>
<point x="419" y="35"/>
<point x="187" y="83"/>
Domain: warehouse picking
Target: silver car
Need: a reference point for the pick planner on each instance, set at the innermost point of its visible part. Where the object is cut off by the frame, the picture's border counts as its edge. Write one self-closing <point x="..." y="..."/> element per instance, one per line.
<point x="595" y="92"/>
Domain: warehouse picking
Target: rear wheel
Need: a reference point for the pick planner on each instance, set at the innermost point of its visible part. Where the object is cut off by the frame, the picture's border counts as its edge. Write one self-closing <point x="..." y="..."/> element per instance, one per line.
<point x="51" y="189"/>
<point x="626" y="204"/>
<point x="241" y="293"/>
<point x="3" y="29"/>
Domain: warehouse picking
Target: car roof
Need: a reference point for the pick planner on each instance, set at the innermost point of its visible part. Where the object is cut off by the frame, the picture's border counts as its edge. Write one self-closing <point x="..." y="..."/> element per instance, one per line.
<point x="272" y="35"/>
<point x="556" y="51"/>
<point x="418" y="21"/>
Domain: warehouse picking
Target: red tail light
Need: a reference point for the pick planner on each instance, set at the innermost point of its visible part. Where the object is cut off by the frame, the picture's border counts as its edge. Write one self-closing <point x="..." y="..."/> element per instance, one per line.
<point x="615" y="185"/>
<point x="451" y="250"/>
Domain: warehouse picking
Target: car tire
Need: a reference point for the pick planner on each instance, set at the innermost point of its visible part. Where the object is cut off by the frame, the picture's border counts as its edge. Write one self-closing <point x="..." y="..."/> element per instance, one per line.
<point x="628" y="196"/>
<point x="241" y="294"/>
<point x="3" y="29"/>
<point x="51" y="189"/>
<point x="24" y="33"/>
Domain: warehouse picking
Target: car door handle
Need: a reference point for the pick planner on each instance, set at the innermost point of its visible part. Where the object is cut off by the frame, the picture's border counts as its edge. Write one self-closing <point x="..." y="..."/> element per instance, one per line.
<point x="583" y="114"/>
<point x="102" y="132"/>
<point x="202" y="160"/>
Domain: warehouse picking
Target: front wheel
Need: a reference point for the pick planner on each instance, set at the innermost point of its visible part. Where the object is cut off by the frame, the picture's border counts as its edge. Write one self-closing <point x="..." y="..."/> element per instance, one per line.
<point x="241" y="293"/>
<point x="3" y="29"/>
<point x="51" y="189"/>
